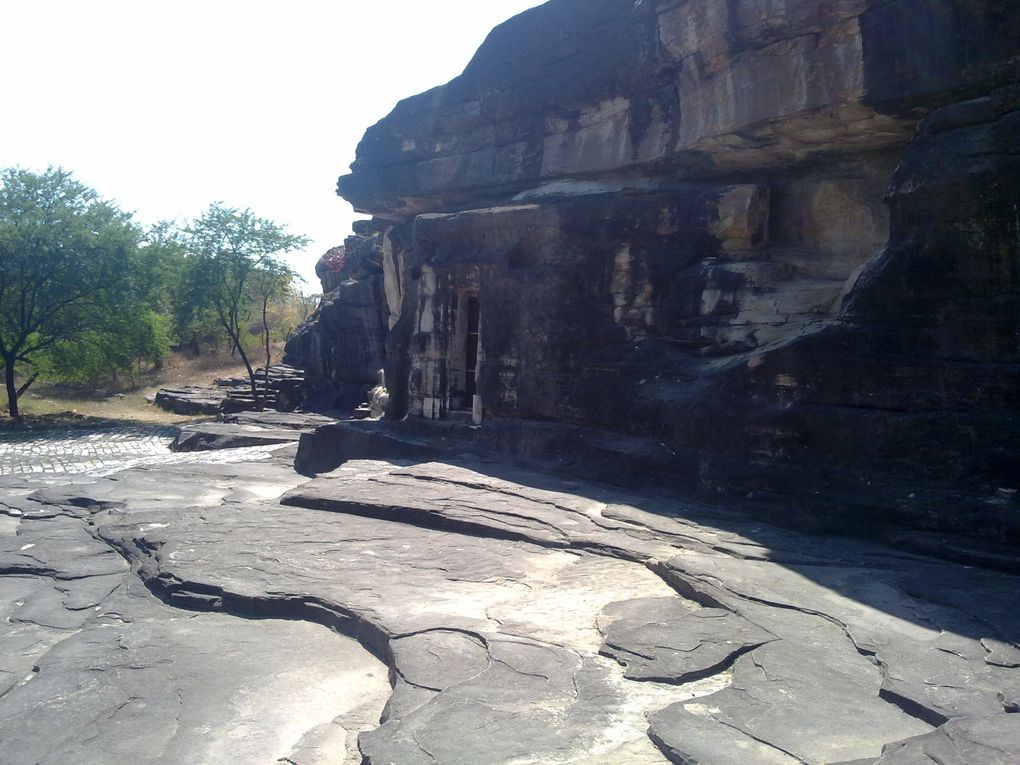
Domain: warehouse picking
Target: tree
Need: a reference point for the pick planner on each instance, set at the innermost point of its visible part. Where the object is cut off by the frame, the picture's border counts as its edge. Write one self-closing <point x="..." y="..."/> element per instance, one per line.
<point x="271" y="281"/>
<point x="306" y="305"/>
<point x="172" y="292"/>
<point x="160" y="268"/>
<point x="65" y="264"/>
<point x="229" y="251"/>
<point x="129" y="336"/>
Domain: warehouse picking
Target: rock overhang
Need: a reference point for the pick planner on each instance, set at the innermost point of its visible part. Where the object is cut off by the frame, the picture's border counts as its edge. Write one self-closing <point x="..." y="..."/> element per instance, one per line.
<point x="806" y="317"/>
<point x="565" y="91"/>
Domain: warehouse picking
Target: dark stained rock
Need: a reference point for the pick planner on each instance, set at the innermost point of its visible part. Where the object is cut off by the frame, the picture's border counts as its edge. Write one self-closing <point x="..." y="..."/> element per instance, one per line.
<point x="190" y="400"/>
<point x="717" y="226"/>
<point x="584" y="452"/>
<point x="303" y="422"/>
<point x="1011" y="702"/>
<point x="582" y="88"/>
<point x="280" y="386"/>
<point x="575" y="88"/>
<point x="340" y="348"/>
<point x="961" y="47"/>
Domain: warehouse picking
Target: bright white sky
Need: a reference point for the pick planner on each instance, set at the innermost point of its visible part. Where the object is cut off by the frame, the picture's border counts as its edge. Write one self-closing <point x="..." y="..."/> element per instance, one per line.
<point x="165" y="107"/>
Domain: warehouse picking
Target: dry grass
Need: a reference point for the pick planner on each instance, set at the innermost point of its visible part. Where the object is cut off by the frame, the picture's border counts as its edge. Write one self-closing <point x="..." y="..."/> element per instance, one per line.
<point x="67" y="404"/>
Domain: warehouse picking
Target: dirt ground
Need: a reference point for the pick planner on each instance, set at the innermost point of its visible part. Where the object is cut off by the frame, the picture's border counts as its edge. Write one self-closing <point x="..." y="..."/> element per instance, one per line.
<point x="70" y="405"/>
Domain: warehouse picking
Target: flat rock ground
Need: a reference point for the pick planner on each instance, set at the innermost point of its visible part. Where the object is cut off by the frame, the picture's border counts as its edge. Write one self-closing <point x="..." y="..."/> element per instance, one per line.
<point x="217" y="607"/>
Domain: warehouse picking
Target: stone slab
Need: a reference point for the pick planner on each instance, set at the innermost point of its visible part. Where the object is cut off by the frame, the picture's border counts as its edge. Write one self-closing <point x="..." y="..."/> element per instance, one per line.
<point x="669" y="641"/>
<point x="492" y="595"/>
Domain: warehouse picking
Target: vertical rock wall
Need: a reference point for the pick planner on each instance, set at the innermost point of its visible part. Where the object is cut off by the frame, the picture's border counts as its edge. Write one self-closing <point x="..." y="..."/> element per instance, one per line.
<point x="341" y="346"/>
<point x="718" y="225"/>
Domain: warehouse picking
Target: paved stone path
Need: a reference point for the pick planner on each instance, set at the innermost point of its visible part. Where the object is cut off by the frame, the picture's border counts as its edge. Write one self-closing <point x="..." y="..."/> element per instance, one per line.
<point x="103" y="452"/>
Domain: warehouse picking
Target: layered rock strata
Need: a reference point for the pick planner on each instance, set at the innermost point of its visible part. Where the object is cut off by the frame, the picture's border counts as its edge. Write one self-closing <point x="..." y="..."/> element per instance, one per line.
<point x="779" y="239"/>
<point x="279" y="387"/>
<point x="340" y="348"/>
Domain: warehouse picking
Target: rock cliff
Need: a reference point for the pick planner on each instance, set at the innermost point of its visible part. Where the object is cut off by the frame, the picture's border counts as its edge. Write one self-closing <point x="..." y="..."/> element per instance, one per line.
<point x="778" y="239"/>
<point x="340" y="347"/>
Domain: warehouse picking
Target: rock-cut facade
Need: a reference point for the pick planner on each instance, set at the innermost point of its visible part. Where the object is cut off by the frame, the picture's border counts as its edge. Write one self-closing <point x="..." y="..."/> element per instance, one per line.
<point x="774" y="244"/>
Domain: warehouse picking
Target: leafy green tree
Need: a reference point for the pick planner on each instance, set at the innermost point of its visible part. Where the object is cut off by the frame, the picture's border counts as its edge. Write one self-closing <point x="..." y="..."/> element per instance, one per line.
<point x="229" y="251"/>
<point x="160" y="266"/>
<point x="66" y="259"/>
<point x="127" y="339"/>
<point x="166" y="268"/>
<point x="290" y="311"/>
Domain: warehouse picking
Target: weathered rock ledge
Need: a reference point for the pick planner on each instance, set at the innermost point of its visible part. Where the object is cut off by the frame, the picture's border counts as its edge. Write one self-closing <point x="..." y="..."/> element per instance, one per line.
<point x="638" y="464"/>
<point x="279" y="387"/>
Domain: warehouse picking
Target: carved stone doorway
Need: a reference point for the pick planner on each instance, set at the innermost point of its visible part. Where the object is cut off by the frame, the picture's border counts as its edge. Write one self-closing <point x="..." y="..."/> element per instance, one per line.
<point x="464" y="354"/>
<point x="471" y="349"/>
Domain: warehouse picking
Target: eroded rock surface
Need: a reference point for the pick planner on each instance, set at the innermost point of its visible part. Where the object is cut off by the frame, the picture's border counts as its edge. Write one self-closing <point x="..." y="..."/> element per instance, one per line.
<point x="96" y="669"/>
<point x="666" y="640"/>
<point x="278" y="387"/>
<point x="751" y="248"/>
<point x="340" y="348"/>
<point x="503" y="616"/>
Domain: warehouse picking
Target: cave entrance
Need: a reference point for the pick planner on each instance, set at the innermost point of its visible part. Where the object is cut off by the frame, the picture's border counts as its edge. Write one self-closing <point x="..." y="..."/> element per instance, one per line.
<point x="464" y="358"/>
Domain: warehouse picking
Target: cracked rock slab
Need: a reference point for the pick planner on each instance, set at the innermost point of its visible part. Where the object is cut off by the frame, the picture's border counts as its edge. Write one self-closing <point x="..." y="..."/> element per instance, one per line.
<point x="94" y="669"/>
<point x="671" y="641"/>
<point x="795" y="695"/>
<point x="514" y="504"/>
<point x="991" y="740"/>
<point x="441" y="601"/>
<point x="304" y="422"/>
<point x="490" y="593"/>
<point x="212" y="436"/>
<point x="940" y="633"/>
<point x="434" y="660"/>
<point x="470" y="622"/>
<point x="244" y="429"/>
<point x="146" y="683"/>
<point x="532" y="702"/>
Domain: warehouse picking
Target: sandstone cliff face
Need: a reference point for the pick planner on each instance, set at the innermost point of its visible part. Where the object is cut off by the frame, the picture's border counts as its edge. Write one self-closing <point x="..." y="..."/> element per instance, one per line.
<point x="697" y="88"/>
<point x="717" y="224"/>
<point x="340" y="347"/>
